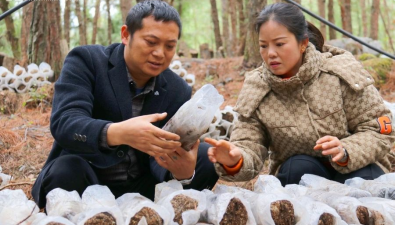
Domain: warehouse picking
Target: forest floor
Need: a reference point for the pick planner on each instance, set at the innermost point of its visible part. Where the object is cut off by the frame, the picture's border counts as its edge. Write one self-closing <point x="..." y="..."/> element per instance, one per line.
<point x="25" y="138"/>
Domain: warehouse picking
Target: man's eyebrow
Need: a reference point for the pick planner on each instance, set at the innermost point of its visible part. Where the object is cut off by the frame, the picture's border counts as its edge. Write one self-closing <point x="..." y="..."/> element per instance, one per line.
<point x="274" y="39"/>
<point x="155" y="37"/>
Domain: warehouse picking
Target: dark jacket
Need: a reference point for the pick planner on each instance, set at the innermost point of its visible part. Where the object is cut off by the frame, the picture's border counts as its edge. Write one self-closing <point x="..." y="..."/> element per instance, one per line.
<point x="93" y="90"/>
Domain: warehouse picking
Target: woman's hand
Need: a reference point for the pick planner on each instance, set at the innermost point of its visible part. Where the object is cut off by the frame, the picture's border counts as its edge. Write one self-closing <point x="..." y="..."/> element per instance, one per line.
<point x="223" y="152"/>
<point x="330" y="146"/>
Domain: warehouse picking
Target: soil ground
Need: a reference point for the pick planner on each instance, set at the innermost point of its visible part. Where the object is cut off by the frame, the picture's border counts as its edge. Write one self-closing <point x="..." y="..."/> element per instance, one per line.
<point x="25" y="139"/>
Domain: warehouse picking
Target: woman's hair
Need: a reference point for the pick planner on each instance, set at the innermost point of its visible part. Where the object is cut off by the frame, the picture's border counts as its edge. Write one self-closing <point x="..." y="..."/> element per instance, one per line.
<point x="293" y="19"/>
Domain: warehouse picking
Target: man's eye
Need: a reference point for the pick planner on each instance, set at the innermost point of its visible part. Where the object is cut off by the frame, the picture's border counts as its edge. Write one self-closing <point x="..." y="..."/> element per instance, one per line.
<point x="151" y="42"/>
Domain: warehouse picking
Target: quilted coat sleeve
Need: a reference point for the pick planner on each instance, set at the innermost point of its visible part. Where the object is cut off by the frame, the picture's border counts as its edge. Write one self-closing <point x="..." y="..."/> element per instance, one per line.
<point x="370" y="140"/>
<point x="249" y="134"/>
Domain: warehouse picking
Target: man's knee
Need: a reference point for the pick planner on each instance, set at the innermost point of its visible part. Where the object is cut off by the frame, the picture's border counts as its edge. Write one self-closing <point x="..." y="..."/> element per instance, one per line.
<point x="69" y="172"/>
<point x="68" y="166"/>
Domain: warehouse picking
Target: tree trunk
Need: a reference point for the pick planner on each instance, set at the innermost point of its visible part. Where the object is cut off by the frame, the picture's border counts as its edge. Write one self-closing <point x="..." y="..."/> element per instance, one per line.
<point x="109" y="23"/>
<point x="66" y="20"/>
<point x="345" y="8"/>
<point x="179" y="7"/>
<point x="321" y="6"/>
<point x="81" y="25"/>
<point x="252" y="57"/>
<point x="84" y="8"/>
<point x="233" y="23"/>
<point x="242" y="28"/>
<point x="225" y="28"/>
<point x="126" y="5"/>
<point x="25" y="29"/>
<point x="11" y="35"/>
<point x="387" y="31"/>
<point x="374" y="20"/>
<point x="364" y="18"/>
<point x="331" y="18"/>
<point x="45" y="35"/>
<point x="214" y="17"/>
<point x="95" y="20"/>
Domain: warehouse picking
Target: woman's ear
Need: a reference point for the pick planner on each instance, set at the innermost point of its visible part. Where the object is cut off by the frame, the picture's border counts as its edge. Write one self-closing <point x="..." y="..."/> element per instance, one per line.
<point x="304" y="44"/>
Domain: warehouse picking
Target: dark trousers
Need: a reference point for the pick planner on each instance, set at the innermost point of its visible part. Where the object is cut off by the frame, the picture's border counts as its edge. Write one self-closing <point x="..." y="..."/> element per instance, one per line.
<point x="296" y="166"/>
<point x="71" y="172"/>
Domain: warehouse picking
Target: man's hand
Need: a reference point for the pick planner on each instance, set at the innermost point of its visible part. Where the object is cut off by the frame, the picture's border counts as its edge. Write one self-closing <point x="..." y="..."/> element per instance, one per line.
<point x="180" y="163"/>
<point x="140" y="134"/>
<point x="223" y="152"/>
<point x="330" y="146"/>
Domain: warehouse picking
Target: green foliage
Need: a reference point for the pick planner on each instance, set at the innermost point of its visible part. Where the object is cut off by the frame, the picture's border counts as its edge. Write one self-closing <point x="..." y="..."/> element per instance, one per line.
<point x="197" y="25"/>
<point x="366" y="56"/>
<point x="379" y="68"/>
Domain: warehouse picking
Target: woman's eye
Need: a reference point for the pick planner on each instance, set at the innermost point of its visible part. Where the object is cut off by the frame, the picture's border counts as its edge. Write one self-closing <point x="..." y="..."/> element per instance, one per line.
<point x="280" y="44"/>
<point x="170" y="46"/>
<point x="263" y="46"/>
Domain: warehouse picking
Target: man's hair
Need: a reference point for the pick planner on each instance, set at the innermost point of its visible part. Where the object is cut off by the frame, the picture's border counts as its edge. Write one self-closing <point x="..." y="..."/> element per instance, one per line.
<point x="160" y="10"/>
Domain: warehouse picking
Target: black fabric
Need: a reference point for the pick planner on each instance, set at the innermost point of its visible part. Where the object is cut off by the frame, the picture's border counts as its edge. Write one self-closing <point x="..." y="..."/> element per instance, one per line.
<point x="92" y="91"/>
<point x="296" y="166"/>
<point x="72" y="172"/>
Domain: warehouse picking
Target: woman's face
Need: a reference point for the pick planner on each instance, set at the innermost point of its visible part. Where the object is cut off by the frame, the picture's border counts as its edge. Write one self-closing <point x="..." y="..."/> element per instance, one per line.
<point x="280" y="50"/>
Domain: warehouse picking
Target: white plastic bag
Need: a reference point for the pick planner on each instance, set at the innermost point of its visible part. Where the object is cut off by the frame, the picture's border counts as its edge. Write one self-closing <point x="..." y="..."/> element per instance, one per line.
<point x="319" y="211"/>
<point x="63" y="203"/>
<point x="15" y="208"/>
<point x="187" y="212"/>
<point x="317" y="182"/>
<point x="195" y="116"/>
<point x="376" y="188"/>
<point x="135" y="205"/>
<point x="98" y="201"/>
<point x="350" y="209"/>
<point x="228" y="208"/>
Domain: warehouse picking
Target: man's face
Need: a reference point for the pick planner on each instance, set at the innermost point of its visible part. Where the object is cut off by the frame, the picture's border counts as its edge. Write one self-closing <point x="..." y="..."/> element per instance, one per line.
<point x="150" y="50"/>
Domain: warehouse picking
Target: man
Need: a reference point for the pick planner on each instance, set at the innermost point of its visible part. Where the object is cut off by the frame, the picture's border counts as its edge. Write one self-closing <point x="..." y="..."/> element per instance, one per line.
<point x="109" y="105"/>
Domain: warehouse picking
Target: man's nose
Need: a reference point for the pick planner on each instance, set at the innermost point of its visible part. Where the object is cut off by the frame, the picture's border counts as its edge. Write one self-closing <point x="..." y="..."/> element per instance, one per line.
<point x="158" y="52"/>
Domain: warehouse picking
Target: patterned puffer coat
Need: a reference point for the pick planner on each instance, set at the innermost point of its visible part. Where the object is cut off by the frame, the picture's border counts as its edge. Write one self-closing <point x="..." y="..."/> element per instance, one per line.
<point x="332" y="94"/>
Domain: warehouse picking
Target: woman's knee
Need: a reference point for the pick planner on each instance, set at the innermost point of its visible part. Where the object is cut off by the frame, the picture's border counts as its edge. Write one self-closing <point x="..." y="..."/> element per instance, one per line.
<point x="296" y="166"/>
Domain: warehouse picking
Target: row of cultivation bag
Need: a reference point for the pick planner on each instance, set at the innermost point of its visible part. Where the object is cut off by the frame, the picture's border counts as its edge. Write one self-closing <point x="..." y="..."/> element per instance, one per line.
<point x="21" y="80"/>
<point x="314" y="201"/>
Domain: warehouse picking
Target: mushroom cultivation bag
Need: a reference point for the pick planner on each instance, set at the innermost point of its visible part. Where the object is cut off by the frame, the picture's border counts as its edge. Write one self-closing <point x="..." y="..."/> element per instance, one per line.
<point x="376" y="188"/>
<point x="317" y="182"/>
<point x="137" y="208"/>
<point x="185" y="206"/>
<point x="320" y="213"/>
<point x="15" y="208"/>
<point x="194" y="117"/>
<point x="98" y="207"/>
<point x="63" y="203"/>
<point x="228" y="208"/>
<point x="350" y="209"/>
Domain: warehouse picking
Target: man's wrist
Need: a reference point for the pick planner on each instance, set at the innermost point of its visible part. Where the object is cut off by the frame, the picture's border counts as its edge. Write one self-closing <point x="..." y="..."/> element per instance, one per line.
<point x="183" y="181"/>
<point x="112" y="138"/>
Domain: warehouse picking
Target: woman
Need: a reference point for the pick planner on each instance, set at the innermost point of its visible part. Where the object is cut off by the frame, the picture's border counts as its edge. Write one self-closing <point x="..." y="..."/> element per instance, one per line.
<point x="310" y="109"/>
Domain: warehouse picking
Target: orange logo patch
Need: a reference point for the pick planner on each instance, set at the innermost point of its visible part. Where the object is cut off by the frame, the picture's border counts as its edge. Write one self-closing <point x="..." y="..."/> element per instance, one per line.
<point x="385" y="124"/>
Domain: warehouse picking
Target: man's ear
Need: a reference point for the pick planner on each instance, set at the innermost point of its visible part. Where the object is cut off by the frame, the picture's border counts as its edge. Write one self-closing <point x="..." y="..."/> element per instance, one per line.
<point x="125" y="35"/>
